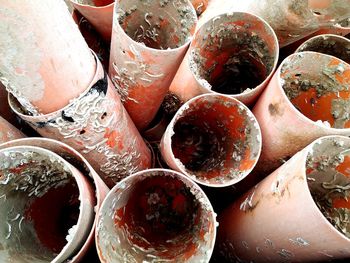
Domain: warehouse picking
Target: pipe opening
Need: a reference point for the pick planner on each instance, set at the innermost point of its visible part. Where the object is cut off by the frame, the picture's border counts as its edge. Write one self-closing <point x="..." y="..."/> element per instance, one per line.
<point x="214" y="139"/>
<point x="157" y="215"/>
<point x="320" y="91"/>
<point x="157" y="24"/>
<point x="333" y="45"/>
<point x="328" y="176"/>
<point x="233" y="54"/>
<point x="39" y="206"/>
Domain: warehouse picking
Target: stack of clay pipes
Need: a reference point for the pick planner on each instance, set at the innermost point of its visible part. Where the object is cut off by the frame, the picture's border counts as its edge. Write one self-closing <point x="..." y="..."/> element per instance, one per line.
<point x="174" y="131"/>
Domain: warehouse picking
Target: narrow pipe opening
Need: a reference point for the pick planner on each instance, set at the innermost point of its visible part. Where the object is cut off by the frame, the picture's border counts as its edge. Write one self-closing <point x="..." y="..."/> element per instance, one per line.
<point x="157" y="24"/>
<point x="320" y="91"/>
<point x="328" y="176"/>
<point x="216" y="139"/>
<point x="39" y="205"/>
<point x="232" y="54"/>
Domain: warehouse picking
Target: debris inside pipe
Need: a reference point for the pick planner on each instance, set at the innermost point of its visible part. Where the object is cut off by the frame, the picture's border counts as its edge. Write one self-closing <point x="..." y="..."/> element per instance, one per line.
<point x="156" y="215"/>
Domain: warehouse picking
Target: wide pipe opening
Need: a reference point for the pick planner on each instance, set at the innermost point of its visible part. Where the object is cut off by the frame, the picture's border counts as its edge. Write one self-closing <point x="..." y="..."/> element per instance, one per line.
<point x="157" y="24"/>
<point x="216" y="139"/>
<point x="39" y="205"/>
<point x="233" y="53"/>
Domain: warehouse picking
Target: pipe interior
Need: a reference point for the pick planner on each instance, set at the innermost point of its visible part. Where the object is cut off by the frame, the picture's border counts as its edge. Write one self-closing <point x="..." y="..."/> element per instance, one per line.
<point x="229" y="56"/>
<point x="331" y="45"/>
<point x="320" y="91"/>
<point x="157" y="24"/>
<point x="39" y="204"/>
<point x="328" y="176"/>
<point x="159" y="215"/>
<point x="213" y="139"/>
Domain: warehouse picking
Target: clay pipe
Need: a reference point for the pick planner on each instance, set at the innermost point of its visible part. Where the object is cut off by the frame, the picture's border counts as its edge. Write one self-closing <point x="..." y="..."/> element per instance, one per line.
<point x="156" y="215"/>
<point x="213" y="139"/>
<point x="304" y="101"/>
<point x="42" y="44"/>
<point x="47" y="206"/>
<point x="97" y="125"/>
<point x="284" y="217"/>
<point x="149" y="40"/>
<point x="233" y="54"/>
<point x="79" y="162"/>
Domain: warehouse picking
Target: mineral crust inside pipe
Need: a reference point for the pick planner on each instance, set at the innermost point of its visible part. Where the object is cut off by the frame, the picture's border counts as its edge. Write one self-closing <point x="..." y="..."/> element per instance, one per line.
<point x="213" y="139"/>
<point x="200" y="5"/>
<point x="307" y="98"/>
<point x="46" y="206"/>
<point x="78" y="161"/>
<point x="8" y="132"/>
<point x="97" y="125"/>
<point x="99" y="13"/>
<point x="234" y="54"/>
<point x="156" y="216"/>
<point x="291" y="19"/>
<point x="285" y="217"/>
<point x="44" y="61"/>
<point x="149" y="40"/>
<point x="329" y="44"/>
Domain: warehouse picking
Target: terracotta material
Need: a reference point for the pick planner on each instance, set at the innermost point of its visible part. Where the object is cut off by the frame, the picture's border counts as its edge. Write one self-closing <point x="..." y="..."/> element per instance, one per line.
<point x="200" y="5"/>
<point x="8" y="132"/>
<point x="234" y="54"/>
<point x="328" y="44"/>
<point x="156" y="215"/>
<point x="291" y="19"/>
<point x="285" y="218"/>
<point x="42" y="45"/>
<point x="149" y="41"/>
<point x="214" y="139"/>
<point x="47" y="206"/>
<point x="97" y="125"/>
<point x="99" y="13"/>
<point x="304" y="101"/>
<point x="73" y="157"/>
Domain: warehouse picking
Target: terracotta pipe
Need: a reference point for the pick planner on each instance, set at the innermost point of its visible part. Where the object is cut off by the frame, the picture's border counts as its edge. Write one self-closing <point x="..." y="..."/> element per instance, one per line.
<point x="78" y="161"/>
<point x="149" y="41"/>
<point x="304" y="101"/>
<point x="299" y="213"/>
<point x="97" y="125"/>
<point x="291" y="19"/>
<point x="234" y="54"/>
<point x="42" y="45"/>
<point x="213" y="139"/>
<point x="99" y="13"/>
<point x="8" y="132"/>
<point x="333" y="45"/>
<point x="156" y="215"/>
<point x="47" y="206"/>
